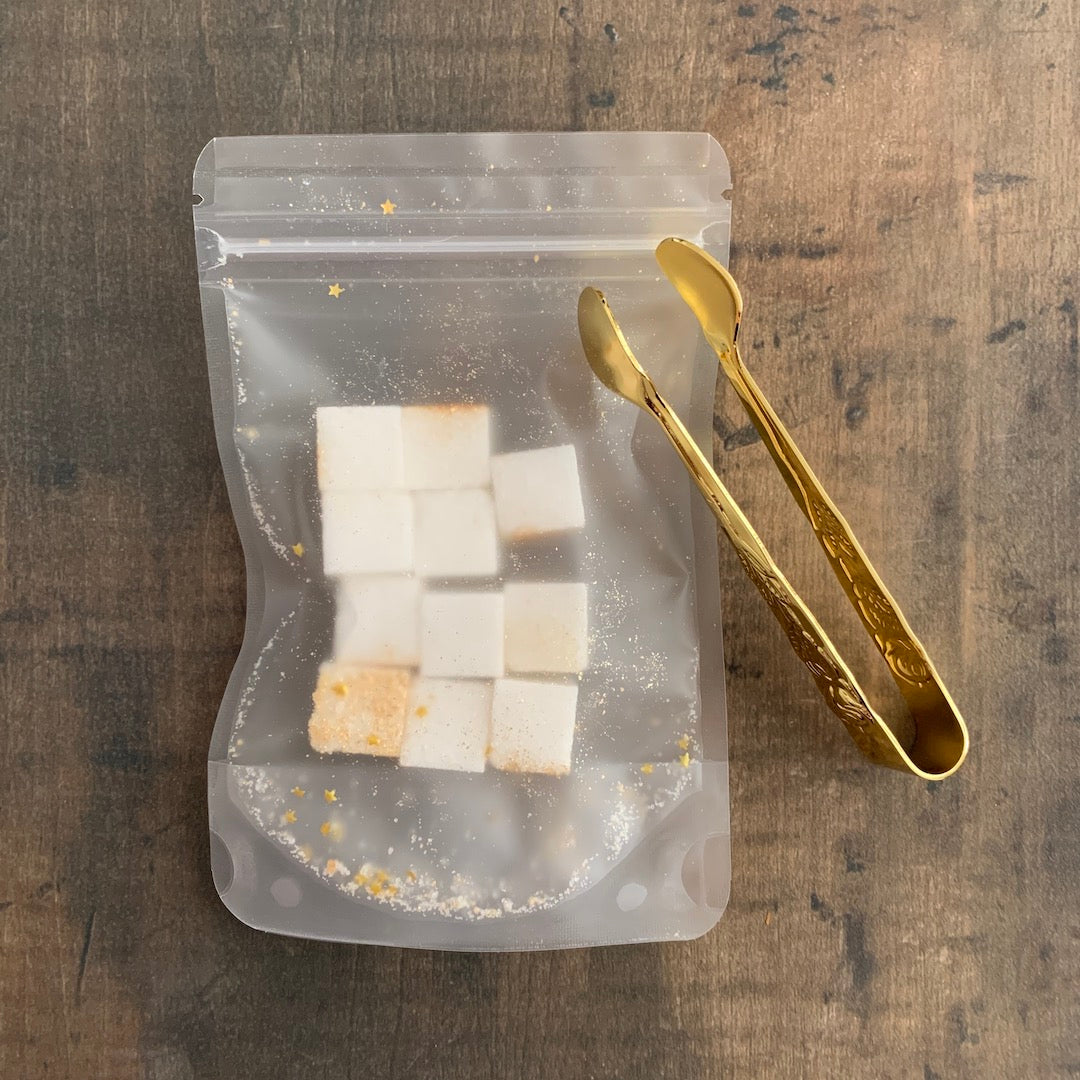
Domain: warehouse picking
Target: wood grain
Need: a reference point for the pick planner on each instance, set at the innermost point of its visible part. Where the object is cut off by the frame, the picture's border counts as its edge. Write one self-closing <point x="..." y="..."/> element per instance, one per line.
<point x="907" y="234"/>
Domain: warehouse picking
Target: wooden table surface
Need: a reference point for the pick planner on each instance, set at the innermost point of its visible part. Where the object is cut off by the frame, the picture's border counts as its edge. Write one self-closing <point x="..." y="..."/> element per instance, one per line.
<point x="907" y="233"/>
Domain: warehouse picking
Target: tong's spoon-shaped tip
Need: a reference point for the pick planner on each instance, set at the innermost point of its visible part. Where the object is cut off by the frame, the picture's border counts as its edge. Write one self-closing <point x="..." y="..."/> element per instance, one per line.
<point x="607" y="351"/>
<point x="708" y="289"/>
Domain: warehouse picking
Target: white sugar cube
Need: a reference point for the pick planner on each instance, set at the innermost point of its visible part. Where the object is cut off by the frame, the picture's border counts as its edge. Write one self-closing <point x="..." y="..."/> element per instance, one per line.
<point x="537" y="492"/>
<point x="547" y="626"/>
<point x="359" y="447"/>
<point x="461" y="634"/>
<point x="367" y="532"/>
<point x="456" y="534"/>
<point x="446" y="724"/>
<point x="378" y="620"/>
<point x="358" y="710"/>
<point x="532" y="726"/>
<point x="447" y="446"/>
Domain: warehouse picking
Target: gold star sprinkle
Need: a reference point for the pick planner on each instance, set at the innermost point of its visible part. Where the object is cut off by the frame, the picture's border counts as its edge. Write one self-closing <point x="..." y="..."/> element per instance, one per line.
<point x="331" y="866"/>
<point x="421" y="711"/>
<point x="335" y="290"/>
<point x="388" y="207"/>
<point x="324" y="828"/>
<point x="646" y="769"/>
<point x="299" y="792"/>
<point x="391" y="890"/>
<point x="290" y="817"/>
<point x="536" y="258"/>
<point x="410" y="875"/>
<point x="375" y="889"/>
<point x="340" y="689"/>
<point x="684" y="742"/>
<point x="330" y="795"/>
<point x="373" y="740"/>
<point x="360" y="878"/>
<point x="298" y="549"/>
<point x="684" y="760"/>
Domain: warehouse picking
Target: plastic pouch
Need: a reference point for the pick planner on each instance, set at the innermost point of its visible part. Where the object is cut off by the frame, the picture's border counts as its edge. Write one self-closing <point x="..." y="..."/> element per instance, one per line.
<point x="444" y="270"/>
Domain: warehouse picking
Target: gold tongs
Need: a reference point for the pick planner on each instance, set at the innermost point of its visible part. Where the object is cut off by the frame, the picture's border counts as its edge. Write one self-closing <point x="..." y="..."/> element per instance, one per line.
<point x="941" y="738"/>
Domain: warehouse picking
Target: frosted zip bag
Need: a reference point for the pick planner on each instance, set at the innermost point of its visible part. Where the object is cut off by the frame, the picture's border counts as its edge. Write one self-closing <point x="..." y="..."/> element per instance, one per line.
<point x="427" y="480"/>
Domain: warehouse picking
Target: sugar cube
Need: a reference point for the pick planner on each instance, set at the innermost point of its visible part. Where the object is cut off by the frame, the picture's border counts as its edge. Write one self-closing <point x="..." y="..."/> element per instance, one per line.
<point x="447" y="446"/>
<point x="359" y="447"/>
<point x="461" y="634"/>
<point x="547" y="626"/>
<point x="378" y="620"/>
<point x="537" y="492"/>
<point x="358" y="710"/>
<point x="532" y="726"/>
<point x="456" y="534"/>
<point x="447" y="724"/>
<point x="367" y="532"/>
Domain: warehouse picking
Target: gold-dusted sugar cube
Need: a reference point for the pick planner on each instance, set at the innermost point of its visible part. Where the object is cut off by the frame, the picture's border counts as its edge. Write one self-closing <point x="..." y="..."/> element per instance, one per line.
<point x="358" y="710"/>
